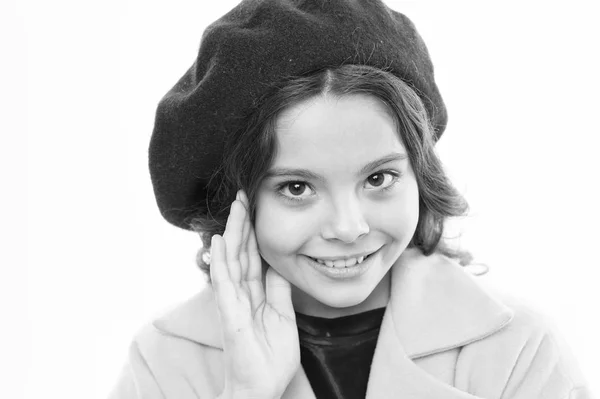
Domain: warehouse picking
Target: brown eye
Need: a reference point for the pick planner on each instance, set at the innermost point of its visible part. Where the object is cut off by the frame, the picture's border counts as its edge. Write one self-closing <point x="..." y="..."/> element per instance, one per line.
<point x="296" y="191"/>
<point x="296" y="188"/>
<point x="381" y="180"/>
<point x="376" y="180"/>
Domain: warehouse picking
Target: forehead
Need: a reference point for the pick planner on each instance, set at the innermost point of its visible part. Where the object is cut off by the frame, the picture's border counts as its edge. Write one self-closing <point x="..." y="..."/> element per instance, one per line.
<point x="335" y="133"/>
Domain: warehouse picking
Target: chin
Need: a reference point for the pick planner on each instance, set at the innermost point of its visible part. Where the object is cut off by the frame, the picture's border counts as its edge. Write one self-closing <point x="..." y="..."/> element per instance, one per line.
<point x="343" y="299"/>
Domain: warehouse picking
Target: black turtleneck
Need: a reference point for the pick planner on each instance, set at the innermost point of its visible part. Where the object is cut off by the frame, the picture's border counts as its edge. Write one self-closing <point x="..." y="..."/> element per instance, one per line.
<point x="336" y="354"/>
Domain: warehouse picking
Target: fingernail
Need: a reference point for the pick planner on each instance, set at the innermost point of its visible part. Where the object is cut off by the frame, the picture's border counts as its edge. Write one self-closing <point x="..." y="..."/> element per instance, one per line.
<point x="237" y="196"/>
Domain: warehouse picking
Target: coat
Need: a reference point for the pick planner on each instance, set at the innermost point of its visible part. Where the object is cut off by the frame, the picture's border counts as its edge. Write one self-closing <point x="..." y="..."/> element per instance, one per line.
<point x="443" y="335"/>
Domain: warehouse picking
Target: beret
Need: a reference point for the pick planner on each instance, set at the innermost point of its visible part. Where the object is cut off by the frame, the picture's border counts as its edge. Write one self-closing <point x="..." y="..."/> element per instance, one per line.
<point x="256" y="45"/>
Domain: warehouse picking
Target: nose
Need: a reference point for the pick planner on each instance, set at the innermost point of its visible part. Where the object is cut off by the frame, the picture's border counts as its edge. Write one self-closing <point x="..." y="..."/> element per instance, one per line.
<point x="346" y="222"/>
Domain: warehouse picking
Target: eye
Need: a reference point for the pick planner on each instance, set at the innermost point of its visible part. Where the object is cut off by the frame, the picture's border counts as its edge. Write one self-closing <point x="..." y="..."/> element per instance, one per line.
<point x="295" y="190"/>
<point x="382" y="180"/>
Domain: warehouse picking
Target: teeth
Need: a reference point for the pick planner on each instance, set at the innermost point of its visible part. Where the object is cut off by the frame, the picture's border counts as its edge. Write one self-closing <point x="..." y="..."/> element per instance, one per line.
<point x="341" y="262"/>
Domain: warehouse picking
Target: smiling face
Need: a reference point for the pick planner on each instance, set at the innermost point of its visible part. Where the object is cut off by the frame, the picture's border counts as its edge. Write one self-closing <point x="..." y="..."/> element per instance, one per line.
<point x="340" y="188"/>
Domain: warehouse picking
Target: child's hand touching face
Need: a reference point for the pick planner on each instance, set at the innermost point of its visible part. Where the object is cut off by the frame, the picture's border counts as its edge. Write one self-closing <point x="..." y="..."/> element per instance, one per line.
<point x="260" y="336"/>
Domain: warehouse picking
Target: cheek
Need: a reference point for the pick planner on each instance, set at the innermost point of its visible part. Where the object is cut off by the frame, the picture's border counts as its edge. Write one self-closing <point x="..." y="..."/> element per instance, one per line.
<point x="399" y="217"/>
<point x="280" y="231"/>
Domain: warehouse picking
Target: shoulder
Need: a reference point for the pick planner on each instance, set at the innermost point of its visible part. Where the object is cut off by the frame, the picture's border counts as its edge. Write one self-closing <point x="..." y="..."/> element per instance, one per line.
<point x="174" y="337"/>
<point x="178" y="352"/>
<point x="192" y="321"/>
<point x="526" y="358"/>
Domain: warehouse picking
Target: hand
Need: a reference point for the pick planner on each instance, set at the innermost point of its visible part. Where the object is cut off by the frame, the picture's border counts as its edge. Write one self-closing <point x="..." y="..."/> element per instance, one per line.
<point x="260" y="335"/>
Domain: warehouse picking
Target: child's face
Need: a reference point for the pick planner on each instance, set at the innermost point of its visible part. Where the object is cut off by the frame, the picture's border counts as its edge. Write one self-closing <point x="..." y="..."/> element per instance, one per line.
<point x="329" y="197"/>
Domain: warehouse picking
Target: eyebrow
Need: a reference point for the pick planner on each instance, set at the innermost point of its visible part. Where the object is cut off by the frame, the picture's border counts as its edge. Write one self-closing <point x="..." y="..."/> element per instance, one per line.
<point x="309" y="175"/>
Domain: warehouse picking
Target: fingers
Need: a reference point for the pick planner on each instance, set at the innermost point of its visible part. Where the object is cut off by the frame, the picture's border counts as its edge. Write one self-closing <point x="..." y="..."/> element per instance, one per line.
<point x="254" y="273"/>
<point x="244" y="255"/>
<point x="219" y="273"/>
<point x="279" y="294"/>
<point x="254" y="260"/>
<point x="237" y="266"/>
<point x="223" y="288"/>
<point x="250" y="259"/>
<point x="233" y="236"/>
<point x="225" y="263"/>
<point x="249" y="247"/>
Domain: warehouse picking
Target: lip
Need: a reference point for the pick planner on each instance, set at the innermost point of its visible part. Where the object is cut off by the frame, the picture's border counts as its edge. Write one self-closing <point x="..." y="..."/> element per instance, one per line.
<point x="345" y="257"/>
<point x="343" y="273"/>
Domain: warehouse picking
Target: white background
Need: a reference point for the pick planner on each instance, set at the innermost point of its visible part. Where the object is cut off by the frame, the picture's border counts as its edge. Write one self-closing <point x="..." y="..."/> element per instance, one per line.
<point x="93" y="261"/>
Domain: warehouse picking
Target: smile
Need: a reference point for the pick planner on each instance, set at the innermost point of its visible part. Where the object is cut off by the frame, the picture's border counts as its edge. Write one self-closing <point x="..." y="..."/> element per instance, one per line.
<point x="340" y="263"/>
<point x="344" y="268"/>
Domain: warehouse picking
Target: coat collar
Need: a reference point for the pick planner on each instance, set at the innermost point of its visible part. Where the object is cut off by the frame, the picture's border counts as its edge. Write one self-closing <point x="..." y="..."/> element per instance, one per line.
<point x="434" y="306"/>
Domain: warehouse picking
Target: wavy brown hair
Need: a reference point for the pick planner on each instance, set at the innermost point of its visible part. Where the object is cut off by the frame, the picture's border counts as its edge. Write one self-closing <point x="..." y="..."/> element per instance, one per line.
<point x="250" y="152"/>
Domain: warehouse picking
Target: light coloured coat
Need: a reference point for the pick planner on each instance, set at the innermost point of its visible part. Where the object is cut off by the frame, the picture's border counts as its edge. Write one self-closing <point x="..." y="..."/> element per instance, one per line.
<point x="443" y="336"/>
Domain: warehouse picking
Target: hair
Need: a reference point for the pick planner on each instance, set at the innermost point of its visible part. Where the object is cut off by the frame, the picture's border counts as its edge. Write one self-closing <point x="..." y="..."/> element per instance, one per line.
<point x="250" y="151"/>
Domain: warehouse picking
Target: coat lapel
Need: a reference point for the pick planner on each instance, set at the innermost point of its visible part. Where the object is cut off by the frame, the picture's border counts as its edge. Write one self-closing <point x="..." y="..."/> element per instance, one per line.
<point x="394" y="374"/>
<point x="434" y="306"/>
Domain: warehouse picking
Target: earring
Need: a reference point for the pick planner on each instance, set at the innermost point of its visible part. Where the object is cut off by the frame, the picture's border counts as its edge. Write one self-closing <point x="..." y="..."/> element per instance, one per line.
<point x="206" y="257"/>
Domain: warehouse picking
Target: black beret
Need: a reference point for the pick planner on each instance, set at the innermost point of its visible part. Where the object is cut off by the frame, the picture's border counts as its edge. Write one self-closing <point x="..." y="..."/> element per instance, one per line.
<point x="258" y="44"/>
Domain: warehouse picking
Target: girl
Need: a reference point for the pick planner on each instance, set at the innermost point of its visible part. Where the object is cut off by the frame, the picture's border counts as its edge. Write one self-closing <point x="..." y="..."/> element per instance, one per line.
<point x="301" y="146"/>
